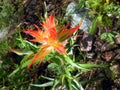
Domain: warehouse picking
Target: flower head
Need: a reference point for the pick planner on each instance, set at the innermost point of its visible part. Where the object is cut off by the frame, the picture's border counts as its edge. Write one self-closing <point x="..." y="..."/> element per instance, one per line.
<point x="50" y="38"/>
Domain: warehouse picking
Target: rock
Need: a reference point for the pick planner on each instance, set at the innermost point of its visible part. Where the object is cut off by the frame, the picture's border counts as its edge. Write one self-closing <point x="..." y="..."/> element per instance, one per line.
<point x="75" y="15"/>
<point x="86" y="42"/>
<point x="7" y="32"/>
<point x="3" y="33"/>
<point x="116" y="69"/>
<point x="117" y="39"/>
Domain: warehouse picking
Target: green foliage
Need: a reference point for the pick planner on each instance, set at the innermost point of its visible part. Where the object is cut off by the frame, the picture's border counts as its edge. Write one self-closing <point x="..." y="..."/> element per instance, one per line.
<point x="102" y="13"/>
<point x="4" y="46"/>
<point x="64" y="69"/>
<point x="8" y="22"/>
<point x="6" y="14"/>
<point x="19" y="81"/>
<point x="94" y="24"/>
<point x="109" y="36"/>
<point x="103" y="8"/>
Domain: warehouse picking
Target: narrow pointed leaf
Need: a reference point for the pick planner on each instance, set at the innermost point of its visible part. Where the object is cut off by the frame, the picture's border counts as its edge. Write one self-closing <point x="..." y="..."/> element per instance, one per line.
<point x="43" y="85"/>
<point x="67" y="33"/>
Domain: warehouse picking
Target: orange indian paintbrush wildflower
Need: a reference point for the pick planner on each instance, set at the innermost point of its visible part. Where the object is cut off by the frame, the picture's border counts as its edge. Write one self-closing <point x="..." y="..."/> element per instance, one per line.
<point x="50" y="38"/>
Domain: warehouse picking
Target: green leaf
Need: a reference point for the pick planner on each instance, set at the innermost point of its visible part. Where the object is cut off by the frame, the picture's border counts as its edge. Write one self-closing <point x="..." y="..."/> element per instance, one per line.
<point x="103" y="36"/>
<point x="94" y="26"/>
<point x="43" y="85"/>
<point x="68" y="84"/>
<point x="23" y="65"/>
<point x="79" y="86"/>
<point x="56" y="82"/>
<point x="51" y="79"/>
<point x="88" y="66"/>
<point x="52" y="65"/>
<point x="21" y="52"/>
<point x="69" y="61"/>
<point x="14" y="72"/>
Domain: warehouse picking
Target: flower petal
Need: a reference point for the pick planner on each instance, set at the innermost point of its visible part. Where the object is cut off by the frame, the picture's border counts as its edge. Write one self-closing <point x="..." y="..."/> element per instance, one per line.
<point x="61" y="49"/>
<point x="40" y="55"/>
<point x="67" y="33"/>
<point x="38" y="35"/>
<point x="50" y="26"/>
<point x="50" y="38"/>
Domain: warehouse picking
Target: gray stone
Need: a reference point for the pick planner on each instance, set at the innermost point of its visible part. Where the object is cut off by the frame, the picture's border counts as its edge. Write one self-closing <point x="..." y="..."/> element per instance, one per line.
<point x="75" y="15"/>
<point x="3" y="34"/>
<point x="7" y="32"/>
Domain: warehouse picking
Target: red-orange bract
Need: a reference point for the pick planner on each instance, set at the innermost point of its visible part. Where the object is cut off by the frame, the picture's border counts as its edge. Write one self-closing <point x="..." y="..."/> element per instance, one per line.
<point x="50" y="38"/>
